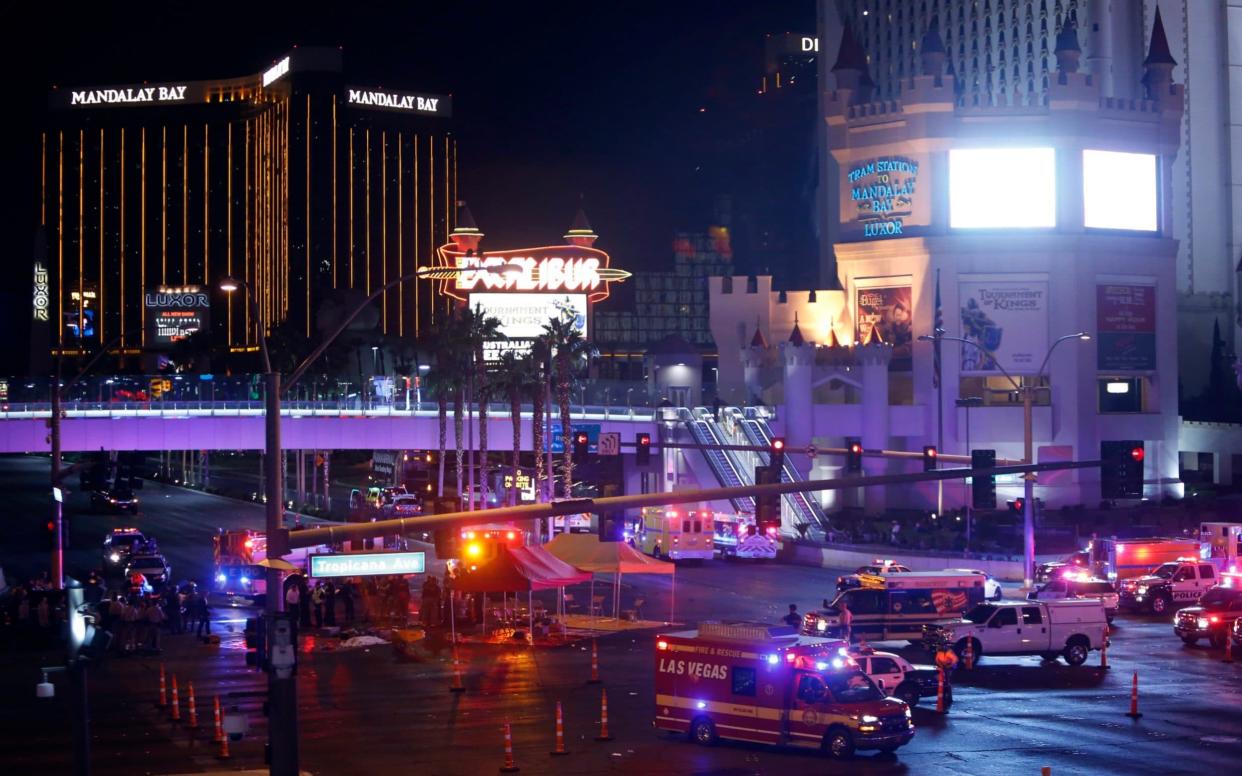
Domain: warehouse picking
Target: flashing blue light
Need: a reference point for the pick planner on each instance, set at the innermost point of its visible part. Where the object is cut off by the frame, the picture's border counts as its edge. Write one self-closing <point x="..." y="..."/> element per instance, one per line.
<point x="772" y="660"/>
<point x="702" y="704"/>
<point x="220" y="577"/>
<point x="843" y="651"/>
<point x="837" y="662"/>
<point x="821" y="666"/>
<point x="207" y="378"/>
<point x="245" y="580"/>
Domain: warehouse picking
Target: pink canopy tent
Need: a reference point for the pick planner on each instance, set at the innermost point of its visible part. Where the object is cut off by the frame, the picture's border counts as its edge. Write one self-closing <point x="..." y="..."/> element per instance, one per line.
<point x="517" y="569"/>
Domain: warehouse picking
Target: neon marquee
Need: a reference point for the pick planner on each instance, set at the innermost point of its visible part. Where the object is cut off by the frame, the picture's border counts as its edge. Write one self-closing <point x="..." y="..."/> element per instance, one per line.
<point x="550" y="269"/>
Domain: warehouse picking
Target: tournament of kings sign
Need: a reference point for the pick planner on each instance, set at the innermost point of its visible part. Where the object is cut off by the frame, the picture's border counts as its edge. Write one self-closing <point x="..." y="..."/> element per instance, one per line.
<point x="878" y="198"/>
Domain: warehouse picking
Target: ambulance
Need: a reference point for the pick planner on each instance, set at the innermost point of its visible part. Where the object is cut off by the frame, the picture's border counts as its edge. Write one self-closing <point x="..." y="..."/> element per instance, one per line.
<point x="737" y="536"/>
<point x="754" y="682"/>
<point x="895" y="607"/>
<point x="676" y="534"/>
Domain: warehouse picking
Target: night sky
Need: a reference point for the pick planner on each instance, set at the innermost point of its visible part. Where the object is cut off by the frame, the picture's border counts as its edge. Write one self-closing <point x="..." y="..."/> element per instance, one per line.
<point x="552" y="100"/>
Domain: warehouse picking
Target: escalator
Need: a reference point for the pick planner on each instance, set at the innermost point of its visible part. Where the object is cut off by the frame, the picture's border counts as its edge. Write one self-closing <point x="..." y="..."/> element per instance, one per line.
<point x="723" y="466"/>
<point x="757" y="432"/>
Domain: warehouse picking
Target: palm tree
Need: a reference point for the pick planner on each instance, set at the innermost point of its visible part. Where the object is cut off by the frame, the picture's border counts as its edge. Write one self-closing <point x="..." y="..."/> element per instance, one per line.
<point x="440" y="383"/>
<point x="446" y="343"/>
<point x="514" y="379"/>
<point x="568" y="349"/>
<point x="479" y="328"/>
<point x="539" y="381"/>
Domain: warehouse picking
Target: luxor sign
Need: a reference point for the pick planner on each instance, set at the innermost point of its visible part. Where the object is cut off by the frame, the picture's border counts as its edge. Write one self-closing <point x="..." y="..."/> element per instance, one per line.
<point x="175" y="313"/>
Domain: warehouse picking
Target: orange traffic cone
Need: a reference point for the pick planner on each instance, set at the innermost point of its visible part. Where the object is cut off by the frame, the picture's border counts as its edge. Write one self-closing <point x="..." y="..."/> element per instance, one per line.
<point x="940" y="707"/>
<point x="603" y="718"/>
<point x="560" y="732"/>
<point x="1104" y="650"/>
<point x="1228" y="658"/>
<point x="969" y="655"/>
<point x="1045" y="771"/>
<point x="594" y="663"/>
<point x="457" y="685"/>
<point x="192" y="707"/>
<point x="1134" y="712"/>
<point x="163" y="689"/>
<point x="509" y="766"/>
<point x="223" y="752"/>
<point x="219" y="725"/>
<point x="176" y="702"/>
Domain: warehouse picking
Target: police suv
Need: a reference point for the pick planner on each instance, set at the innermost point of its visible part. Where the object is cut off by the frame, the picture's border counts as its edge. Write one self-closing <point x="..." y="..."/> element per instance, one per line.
<point x="1169" y="586"/>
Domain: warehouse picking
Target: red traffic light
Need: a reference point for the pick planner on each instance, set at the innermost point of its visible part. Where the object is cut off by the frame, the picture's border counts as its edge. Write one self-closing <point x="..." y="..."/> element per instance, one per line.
<point x="778" y="444"/>
<point x="644" y="440"/>
<point x="930" y="452"/>
<point x="581" y="438"/>
<point x="856" y="448"/>
<point x="1137" y="453"/>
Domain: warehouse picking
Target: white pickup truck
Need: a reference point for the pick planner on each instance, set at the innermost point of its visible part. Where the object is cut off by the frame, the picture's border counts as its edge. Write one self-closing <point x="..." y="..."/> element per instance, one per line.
<point x="1050" y="629"/>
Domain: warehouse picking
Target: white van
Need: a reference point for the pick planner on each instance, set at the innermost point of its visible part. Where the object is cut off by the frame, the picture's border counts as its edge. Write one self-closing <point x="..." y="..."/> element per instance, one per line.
<point x="1069" y="628"/>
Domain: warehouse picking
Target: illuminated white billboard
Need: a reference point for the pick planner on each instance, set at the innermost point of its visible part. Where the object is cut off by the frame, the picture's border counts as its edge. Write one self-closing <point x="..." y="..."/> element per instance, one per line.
<point x="1119" y="191"/>
<point x="1002" y="188"/>
<point x="523" y="316"/>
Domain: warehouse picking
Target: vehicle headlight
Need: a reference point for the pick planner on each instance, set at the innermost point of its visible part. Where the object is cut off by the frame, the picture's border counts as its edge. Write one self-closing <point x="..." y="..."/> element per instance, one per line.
<point x="221" y="578"/>
<point x="1141" y="589"/>
<point x="245" y="580"/>
<point x="908" y="713"/>
<point x="821" y="625"/>
<point x="1202" y="622"/>
<point x="115" y="557"/>
<point x="869" y="718"/>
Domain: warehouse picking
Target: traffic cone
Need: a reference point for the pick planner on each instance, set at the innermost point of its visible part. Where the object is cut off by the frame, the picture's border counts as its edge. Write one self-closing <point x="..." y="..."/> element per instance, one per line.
<point x="509" y="766"/>
<point x="1045" y="771"/>
<point x="219" y="725"/>
<point x="1228" y="658"/>
<point x="940" y="708"/>
<point x="223" y="752"/>
<point x="163" y="689"/>
<point x="560" y="732"/>
<point x="969" y="655"/>
<point x="192" y="708"/>
<point x="457" y="685"/>
<point x="594" y="663"/>
<point x="1134" y="712"/>
<point x="176" y="701"/>
<point x="1104" y="651"/>
<point x="603" y="718"/>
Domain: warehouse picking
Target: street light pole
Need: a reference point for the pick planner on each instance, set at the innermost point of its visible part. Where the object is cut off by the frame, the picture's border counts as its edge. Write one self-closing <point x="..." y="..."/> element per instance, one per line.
<point x="1026" y="391"/>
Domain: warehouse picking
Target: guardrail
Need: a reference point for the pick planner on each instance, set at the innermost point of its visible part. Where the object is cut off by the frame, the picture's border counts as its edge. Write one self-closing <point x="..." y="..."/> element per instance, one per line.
<point x="27" y="410"/>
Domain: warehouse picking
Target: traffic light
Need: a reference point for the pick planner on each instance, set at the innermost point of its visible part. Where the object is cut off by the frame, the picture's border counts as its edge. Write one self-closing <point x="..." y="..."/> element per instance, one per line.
<point x="767" y="507"/>
<point x="157" y="388"/>
<point x="853" y="454"/>
<point x="983" y="488"/>
<point x="778" y="452"/>
<point x="610" y="526"/>
<point x="255" y="643"/>
<point x="1121" y="468"/>
<point x="929" y="458"/>
<point x="642" y="450"/>
<point x="581" y="442"/>
<point x="1017" y="505"/>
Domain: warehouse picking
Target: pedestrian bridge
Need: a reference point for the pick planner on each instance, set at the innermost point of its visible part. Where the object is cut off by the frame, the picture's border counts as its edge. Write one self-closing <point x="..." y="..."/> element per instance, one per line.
<point x="238" y="425"/>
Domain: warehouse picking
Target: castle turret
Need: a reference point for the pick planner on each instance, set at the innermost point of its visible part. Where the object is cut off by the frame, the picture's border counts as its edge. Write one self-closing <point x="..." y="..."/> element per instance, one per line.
<point x="466" y="235"/>
<point x="580" y="231"/>
<point x="799" y="363"/>
<point x="931" y="51"/>
<point x="1068" y="52"/>
<point x="874" y="358"/>
<point x="1159" y="64"/>
<point x="850" y="69"/>
<point x="753" y="356"/>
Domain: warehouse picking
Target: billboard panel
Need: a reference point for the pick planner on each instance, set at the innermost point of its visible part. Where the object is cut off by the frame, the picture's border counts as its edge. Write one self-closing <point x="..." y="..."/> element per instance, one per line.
<point x="174" y="314"/>
<point x="1006" y="317"/>
<point x="881" y="197"/>
<point x="1002" y="188"/>
<point x="1125" y="321"/>
<point x="523" y="316"/>
<point x="890" y="310"/>
<point x="1119" y="190"/>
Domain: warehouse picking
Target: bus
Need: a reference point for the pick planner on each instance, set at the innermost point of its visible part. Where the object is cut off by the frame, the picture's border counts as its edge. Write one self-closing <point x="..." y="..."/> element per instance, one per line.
<point x="676" y="534"/>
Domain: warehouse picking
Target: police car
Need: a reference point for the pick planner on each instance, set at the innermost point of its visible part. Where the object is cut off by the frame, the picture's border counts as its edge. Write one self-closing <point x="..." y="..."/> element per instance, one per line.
<point x="1213" y="618"/>
<point x="899" y="677"/>
<point x="118" y="545"/>
<point x="1169" y="586"/>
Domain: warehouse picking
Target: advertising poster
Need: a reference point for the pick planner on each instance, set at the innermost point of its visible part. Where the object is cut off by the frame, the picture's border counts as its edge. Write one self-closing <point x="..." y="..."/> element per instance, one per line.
<point x="891" y="311"/>
<point x="1007" y="320"/>
<point x="1126" y="327"/>
<point x="523" y="316"/>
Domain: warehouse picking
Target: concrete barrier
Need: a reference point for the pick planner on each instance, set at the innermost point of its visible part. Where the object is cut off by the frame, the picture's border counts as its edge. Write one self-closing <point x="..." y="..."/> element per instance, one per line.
<point x="834" y="558"/>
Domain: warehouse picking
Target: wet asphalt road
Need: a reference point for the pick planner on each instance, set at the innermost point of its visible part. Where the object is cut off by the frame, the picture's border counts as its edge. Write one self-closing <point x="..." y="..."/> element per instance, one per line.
<point x="363" y="712"/>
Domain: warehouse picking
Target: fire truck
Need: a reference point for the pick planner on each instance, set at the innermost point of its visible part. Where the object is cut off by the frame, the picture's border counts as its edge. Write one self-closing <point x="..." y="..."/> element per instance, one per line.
<point x="766" y="684"/>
